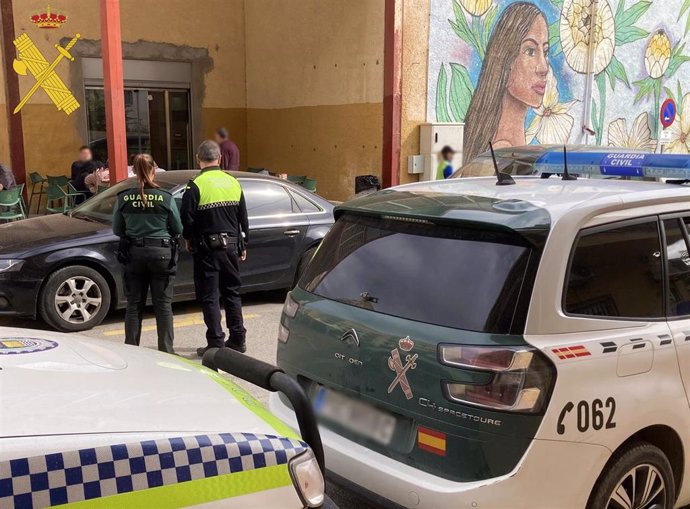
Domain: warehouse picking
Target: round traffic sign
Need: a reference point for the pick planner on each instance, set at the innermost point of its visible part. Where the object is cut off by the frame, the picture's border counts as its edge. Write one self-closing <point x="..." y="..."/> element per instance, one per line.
<point x="668" y="112"/>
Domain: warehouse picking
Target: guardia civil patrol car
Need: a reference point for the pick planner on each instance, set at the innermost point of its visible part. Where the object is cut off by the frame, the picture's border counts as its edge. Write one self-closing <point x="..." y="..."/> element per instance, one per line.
<point x="468" y="344"/>
<point x="104" y="425"/>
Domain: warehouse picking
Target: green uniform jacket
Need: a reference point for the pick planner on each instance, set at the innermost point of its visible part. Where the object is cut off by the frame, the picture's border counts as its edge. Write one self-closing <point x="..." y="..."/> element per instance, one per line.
<point x="158" y="218"/>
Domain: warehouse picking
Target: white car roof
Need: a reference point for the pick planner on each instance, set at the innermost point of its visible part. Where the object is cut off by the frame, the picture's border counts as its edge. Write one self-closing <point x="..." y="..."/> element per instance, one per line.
<point x="557" y="196"/>
<point x="55" y="384"/>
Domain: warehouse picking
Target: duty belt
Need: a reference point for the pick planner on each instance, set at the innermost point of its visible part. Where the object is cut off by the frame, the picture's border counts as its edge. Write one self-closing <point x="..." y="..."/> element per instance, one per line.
<point x="151" y="242"/>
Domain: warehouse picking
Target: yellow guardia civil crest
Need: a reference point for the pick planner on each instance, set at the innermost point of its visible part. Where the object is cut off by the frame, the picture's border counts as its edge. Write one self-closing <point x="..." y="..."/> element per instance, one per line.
<point x="31" y="59"/>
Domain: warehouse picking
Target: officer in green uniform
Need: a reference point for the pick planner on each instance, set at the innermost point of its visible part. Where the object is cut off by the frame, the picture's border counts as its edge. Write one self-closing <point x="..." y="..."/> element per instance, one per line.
<point x="148" y="223"/>
<point x="216" y="229"/>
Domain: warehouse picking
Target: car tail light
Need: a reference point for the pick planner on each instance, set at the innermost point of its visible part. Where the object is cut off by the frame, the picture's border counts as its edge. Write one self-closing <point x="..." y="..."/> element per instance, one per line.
<point x="283" y="333"/>
<point x="521" y="382"/>
<point x="290" y="307"/>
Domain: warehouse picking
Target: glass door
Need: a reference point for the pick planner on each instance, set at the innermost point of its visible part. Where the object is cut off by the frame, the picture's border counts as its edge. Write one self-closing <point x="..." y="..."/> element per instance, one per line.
<point x="157" y="122"/>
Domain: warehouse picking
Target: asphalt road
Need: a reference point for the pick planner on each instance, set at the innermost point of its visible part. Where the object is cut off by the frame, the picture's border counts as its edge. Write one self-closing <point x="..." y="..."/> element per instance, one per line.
<point x="261" y="314"/>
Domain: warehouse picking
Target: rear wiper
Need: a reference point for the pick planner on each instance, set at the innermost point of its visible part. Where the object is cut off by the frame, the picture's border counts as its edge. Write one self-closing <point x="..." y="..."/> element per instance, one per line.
<point x="367" y="297"/>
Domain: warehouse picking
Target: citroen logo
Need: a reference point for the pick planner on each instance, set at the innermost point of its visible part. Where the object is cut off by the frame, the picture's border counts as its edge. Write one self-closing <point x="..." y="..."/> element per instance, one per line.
<point x="351" y="336"/>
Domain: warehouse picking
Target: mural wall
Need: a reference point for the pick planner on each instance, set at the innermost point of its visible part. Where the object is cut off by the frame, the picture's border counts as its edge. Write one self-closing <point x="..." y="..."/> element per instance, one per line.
<point x="515" y="71"/>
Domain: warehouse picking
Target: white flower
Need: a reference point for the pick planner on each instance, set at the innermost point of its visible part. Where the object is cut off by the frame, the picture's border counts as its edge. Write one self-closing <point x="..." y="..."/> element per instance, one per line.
<point x="657" y="56"/>
<point x="575" y="34"/>
<point x="476" y="7"/>
<point x="640" y="136"/>
<point x="680" y="130"/>
<point x="552" y="123"/>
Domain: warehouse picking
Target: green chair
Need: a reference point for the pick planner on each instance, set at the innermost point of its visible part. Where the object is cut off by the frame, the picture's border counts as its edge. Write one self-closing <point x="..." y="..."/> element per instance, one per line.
<point x="297" y="179"/>
<point x="61" y="180"/>
<point x="309" y="184"/>
<point x="12" y="204"/>
<point x="76" y="193"/>
<point x="36" y="181"/>
<point x="100" y="189"/>
<point x="58" y="200"/>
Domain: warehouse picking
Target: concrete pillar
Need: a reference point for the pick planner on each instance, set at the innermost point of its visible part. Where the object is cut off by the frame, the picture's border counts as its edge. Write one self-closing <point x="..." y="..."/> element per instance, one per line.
<point x="113" y="82"/>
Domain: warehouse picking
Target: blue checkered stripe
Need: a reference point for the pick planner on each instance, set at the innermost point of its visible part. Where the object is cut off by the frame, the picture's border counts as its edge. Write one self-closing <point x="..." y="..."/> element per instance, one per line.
<point x="73" y="476"/>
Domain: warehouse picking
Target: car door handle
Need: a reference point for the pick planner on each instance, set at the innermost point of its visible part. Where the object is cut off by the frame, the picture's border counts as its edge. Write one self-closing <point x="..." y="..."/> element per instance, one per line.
<point x="291" y="233"/>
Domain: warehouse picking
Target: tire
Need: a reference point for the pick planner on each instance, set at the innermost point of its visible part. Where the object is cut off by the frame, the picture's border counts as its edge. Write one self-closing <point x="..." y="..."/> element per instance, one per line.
<point x="639" y="459"/>
<point x="81" y="290"/>
<point x="303" y="263"/>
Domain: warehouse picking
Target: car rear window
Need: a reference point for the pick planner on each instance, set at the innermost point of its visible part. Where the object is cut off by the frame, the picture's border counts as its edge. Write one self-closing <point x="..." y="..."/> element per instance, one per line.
<point x="462" y="278"/>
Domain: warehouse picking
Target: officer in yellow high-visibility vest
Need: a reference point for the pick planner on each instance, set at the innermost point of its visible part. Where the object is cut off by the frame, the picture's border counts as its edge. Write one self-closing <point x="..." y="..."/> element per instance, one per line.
<point x="216" y="230"/>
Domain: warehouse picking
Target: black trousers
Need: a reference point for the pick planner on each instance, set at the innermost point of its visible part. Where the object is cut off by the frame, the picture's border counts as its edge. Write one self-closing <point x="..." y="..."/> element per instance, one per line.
<point x="217" y="280"/>
<point x="149" y="267"/>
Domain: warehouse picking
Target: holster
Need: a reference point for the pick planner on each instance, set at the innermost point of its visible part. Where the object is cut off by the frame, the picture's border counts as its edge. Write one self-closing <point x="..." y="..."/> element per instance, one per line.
<point x="123" y="248"/>
<point x="174" y="252"/>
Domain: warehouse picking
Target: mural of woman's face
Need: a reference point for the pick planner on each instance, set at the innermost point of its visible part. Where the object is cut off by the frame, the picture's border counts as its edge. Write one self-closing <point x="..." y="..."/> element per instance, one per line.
<point x="527" y="82"/>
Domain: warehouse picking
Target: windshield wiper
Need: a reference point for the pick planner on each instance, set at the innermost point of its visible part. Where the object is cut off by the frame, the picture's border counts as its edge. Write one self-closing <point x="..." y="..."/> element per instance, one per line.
<point x="87" y="218"/>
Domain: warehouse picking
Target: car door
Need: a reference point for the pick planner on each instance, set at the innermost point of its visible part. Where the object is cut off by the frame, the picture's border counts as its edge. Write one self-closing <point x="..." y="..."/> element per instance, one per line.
<point x="678" y="288"/>
<point x="184" y="281"/>
<point x="277" y="230"/>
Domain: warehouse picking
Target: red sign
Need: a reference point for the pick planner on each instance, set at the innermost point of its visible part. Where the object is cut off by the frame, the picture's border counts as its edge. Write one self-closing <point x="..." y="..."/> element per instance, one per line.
<point x="668" y="113"/>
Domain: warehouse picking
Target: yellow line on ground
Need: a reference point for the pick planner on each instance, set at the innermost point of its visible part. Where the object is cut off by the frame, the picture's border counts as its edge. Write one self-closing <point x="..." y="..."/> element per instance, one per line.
<point x="186" y="322"/>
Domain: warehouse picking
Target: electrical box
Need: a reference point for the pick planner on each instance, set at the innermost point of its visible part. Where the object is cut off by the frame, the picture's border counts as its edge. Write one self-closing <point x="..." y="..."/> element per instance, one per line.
<point x="415" y="164"/>
<point x="433" y="137"/>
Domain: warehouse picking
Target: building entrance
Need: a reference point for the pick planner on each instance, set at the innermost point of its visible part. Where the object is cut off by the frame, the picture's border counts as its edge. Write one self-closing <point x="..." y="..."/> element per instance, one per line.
<point x="158" y="122"/>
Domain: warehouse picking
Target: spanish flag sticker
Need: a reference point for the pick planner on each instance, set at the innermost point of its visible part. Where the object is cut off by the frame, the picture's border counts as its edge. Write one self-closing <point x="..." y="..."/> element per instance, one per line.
<point x="431" y="441"/>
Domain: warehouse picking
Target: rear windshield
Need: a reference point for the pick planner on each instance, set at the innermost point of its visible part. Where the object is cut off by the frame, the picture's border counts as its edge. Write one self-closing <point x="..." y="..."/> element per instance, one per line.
<point x="455" y="277"/>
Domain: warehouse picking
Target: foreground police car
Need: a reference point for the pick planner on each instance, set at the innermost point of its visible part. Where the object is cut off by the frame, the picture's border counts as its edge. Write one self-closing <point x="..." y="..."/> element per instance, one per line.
<point x="103" y="425"/>
<point x="518" y="346"/>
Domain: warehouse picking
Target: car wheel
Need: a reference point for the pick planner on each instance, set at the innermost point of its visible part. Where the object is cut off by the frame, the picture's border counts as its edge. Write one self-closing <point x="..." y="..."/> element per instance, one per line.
<point x="74" y="299"/>
<point x="303" y="263"/>
<point x="638" y="477"/>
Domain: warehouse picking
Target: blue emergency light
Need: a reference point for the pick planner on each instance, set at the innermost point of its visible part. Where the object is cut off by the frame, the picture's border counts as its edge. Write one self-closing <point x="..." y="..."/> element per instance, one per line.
<point x="616" y="164"/>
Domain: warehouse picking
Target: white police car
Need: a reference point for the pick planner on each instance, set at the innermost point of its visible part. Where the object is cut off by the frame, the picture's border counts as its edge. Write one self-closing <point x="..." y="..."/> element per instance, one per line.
<point x="101" y="425"/>
<point x="517" y="346"/>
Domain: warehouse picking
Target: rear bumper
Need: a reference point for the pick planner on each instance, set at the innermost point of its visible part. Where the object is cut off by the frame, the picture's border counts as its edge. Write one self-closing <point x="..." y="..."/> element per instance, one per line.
<point x="18" y="296"/>
<point x="572" y="471"/>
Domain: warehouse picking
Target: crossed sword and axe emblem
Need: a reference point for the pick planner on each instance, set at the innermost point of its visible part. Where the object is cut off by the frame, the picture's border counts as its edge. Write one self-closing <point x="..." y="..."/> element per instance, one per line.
<point x="395" y="364"/>
<point x="31" y="59"/>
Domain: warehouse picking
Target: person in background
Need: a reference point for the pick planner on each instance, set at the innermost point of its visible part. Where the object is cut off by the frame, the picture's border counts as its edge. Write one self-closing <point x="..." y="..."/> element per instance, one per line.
<point x="81" y="165"/>
<point x="99" y="177"/>
<point x="148" y="223"/>
<point x="214" y="215"/>
<point x="7" y="180"/>
<point x="229" y="153"/>
<point x="445" y="165"/>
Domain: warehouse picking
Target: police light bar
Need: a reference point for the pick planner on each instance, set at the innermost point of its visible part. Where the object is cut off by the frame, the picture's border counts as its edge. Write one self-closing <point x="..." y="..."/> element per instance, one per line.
<point x="616" y="164"/>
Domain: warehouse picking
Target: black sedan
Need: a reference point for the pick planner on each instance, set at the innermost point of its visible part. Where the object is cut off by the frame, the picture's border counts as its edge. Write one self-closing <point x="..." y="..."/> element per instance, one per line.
<point x="63" y="267"/>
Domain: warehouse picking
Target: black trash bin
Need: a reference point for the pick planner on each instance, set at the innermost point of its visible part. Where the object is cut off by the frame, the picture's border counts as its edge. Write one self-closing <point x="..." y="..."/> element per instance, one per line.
<point x="366" y="184"/>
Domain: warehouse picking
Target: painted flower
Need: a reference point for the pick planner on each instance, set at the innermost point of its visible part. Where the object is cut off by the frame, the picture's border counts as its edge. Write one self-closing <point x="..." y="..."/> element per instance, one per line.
<point x="680" y="130"/>
<point x="575" y="34"/>
<point x="476" y="7"/>
<point x="640" y="136"/>
<point x="552" y="123"/>
<point x="658" y="54"/>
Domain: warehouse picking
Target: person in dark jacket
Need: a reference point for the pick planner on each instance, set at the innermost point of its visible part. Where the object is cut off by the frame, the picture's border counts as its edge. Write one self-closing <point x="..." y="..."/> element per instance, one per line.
<point x="148" y="223"/>
<point x="229" y="153"/>
<point x="216" y="228"/>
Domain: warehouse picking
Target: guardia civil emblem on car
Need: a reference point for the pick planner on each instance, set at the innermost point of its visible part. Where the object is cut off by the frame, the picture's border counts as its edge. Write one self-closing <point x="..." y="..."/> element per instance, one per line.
<point x="395" y="364"/>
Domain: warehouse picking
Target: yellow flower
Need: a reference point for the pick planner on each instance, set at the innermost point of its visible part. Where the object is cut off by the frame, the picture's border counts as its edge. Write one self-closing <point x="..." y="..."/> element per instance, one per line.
<point x="476" y="7"/>
<point x="640" y="136"/>
<point x="680" y="130"/>
<point x="658" y="54"/>
<point x="552" y="123"/>
<point x="575" y="34"/>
